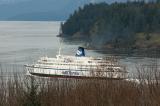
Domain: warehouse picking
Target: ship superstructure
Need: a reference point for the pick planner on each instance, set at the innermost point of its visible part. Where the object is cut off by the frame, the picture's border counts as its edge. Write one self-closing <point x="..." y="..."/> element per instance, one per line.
<point x="78" y="66"/>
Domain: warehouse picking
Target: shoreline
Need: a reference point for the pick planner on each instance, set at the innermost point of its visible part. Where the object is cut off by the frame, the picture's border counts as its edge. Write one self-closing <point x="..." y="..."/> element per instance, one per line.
<point x="153" y="51"/>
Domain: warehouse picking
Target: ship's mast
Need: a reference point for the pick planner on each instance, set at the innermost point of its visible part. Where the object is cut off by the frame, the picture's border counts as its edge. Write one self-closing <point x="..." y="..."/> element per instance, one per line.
<point x="60" y="33"/>
<point x="59" y="52"/>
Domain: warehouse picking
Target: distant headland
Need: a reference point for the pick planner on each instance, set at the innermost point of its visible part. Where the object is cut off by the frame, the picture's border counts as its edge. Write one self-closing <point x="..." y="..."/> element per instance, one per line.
<point x="134" y="25"/>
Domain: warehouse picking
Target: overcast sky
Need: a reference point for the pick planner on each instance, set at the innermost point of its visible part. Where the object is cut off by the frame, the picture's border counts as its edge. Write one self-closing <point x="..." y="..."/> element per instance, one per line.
<point x="41" y="9"/>
<point x="10" y="1"/>
<point x="16" y="1"/>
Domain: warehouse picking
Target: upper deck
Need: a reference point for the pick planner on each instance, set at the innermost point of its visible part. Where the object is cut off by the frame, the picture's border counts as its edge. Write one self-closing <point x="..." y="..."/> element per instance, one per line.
<point x="73" y="60"/>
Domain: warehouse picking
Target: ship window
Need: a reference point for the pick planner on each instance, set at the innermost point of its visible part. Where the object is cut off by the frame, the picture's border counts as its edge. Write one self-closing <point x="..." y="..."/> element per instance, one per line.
<point x="89" y="61"/>
<point x="45" y="60"/>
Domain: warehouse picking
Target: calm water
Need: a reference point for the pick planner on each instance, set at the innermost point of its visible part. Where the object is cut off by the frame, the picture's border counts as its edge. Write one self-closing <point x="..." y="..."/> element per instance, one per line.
<point x="24" y="42"/>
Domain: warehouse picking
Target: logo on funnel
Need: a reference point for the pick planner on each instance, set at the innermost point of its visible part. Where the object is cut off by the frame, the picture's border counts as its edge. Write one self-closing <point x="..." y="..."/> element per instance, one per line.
<point x="80" y="52"/>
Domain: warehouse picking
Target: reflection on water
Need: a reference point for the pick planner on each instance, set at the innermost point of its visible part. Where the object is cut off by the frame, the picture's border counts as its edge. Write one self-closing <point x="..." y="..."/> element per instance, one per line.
<point x="24" y="42"/>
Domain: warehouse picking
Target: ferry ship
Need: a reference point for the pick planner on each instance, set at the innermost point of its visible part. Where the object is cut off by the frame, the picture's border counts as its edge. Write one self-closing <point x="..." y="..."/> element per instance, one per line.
<point x="78" y="66"/>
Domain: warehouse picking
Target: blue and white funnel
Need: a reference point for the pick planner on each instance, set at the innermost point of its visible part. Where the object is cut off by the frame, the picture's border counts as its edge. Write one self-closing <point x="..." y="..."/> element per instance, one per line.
<point x="80" y="52"/>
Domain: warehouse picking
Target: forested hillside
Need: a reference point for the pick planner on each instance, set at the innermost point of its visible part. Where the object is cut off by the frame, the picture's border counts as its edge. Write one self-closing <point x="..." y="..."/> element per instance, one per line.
<point x="117" y="25"/>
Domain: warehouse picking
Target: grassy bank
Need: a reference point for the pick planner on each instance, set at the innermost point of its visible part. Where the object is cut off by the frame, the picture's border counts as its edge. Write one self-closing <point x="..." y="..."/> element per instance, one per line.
<point x="31" y="91"/>
<point x="150" y="40"/>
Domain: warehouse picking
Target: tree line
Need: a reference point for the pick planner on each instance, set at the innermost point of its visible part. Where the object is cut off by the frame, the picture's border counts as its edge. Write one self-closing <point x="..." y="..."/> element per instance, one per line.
<point x="115" y="24"/>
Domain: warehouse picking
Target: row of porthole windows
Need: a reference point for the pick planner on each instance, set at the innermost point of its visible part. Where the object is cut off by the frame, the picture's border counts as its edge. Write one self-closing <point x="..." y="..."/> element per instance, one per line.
<point x="67" y="64"/>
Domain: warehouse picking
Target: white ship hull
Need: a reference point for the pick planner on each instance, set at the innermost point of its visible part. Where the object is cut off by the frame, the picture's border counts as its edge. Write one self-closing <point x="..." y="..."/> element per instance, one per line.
<point x="71" y="73"/>
<point x="77" y="66"/>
